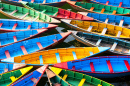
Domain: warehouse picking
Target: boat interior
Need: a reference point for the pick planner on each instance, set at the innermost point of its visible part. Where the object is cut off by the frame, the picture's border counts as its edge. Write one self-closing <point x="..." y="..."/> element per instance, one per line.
<point x="57" y="55"/>
<point x="112" y="19"/>
<point x="28" y="46"/>
<point x="102" y="28"/>
<point x="100" y="8"/>
<point x="54" y="11"/>
<point x="24" y="13"/>
<point x="104" y="64"/>
<point x="116" y="45"/>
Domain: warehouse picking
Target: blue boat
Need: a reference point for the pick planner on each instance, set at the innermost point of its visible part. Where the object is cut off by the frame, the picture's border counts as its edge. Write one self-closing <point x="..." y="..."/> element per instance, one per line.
<point x="12" y="25"/>
<point x="110" y="19"/>
<point x="119" y="3"/>
<point x="14" y="37"/>
<point x="101" y="67"/>
<point x="32" y="45"/>
<point x="32" y="78"/>
<point x="6" y="67"/>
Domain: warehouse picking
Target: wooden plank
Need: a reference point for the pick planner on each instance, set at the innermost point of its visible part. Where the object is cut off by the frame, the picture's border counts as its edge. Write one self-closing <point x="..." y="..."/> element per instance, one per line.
<point x="39" y="45"/>
<point x="41" y="59"/>
<point x="29" y="26"/>
<point x="121" y="23"/>
<point x="35" y="18"/>
<point x="90" y="28"/>
<point x="98" y="42"/>
<point x="1" y="25"/>
<point x="103" y="9"/>
<point x="58" y="57"/>
<point x="15" y="39"/>
<point x="107" y="2"/>
<point x="65" y="76"/>
<point x="44" y="1"/>
<point x="34" y="80"/>
<point x="119" y="33"/>
<point x="114" y="12"/>
<point x="114" y="46"/>
<point x="106" y="21"/>
<point x="92" y="67"/>
<point x="92" y="8"/>
<point x="13" y="12"/>
<point x="24" y="50"/>
<point x="15" y="25"/>
<point x="82" y="82"/>
<point x="91" y="53"/>
<point x="109" y="66"/>
<point x="120" y="4"/>
<point x="127" y="64"/>
<point x="32" y="1"/>
<point x="74" y="55"/>
<point x="7" y="54"/>
<point x="24" y="15"/>
<point x="50" y="74"/>
<point x="1" y="8"/>
<point x="104" y="31"/>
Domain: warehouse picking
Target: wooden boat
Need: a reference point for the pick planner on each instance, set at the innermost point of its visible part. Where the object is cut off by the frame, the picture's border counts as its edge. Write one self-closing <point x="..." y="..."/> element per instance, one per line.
<point x="14" y="37"/>
<point x="55" y="80"/>
<point x="102" y="66"/>
<point x="16" y="12"/>
<point x="6" y="79"/>
<point x="98" y="28"/>
<point x="118" y="3"/>
<point x="32" y="78"/>
<point x="56" y="3"/>
<point x="6" y="67"/>
<point x="111" y="19"/>
<point x="117" y="46"/>
<point x="98" y="8"/>
<point x="55" y="12"/>
<point x="78" y="79"/>
<point x="11" y="25"/>
<point x="57" y="55"/>
<point x="32" y="45"/>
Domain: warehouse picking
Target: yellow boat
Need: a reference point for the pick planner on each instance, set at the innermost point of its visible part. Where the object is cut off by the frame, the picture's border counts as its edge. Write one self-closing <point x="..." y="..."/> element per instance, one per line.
<point x="8" y="78"/>
<point x="99" y="28"/>
<point x="54" y="56"/>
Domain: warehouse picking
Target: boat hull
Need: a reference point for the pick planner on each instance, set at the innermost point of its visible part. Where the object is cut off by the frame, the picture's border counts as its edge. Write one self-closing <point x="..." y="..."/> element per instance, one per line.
<point x="57" y="4"/>
<point x="106" y="75"/>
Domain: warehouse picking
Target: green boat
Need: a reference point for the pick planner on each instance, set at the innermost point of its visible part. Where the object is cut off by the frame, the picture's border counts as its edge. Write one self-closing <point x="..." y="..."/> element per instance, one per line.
<point x="78" y="79"/>
<point x="55" y="12"/>
<point x="98" y="8"/>
<point x="55" y="80"/>
<point x="8" y="78"/>
<point x="16" y="12"/>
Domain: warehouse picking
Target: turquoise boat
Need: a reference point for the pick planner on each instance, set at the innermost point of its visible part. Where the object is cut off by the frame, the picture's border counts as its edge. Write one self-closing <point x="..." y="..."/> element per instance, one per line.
<point x="12" y="25"/>
<point x="14" y="37"/>
<point x="32" y="45"/>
